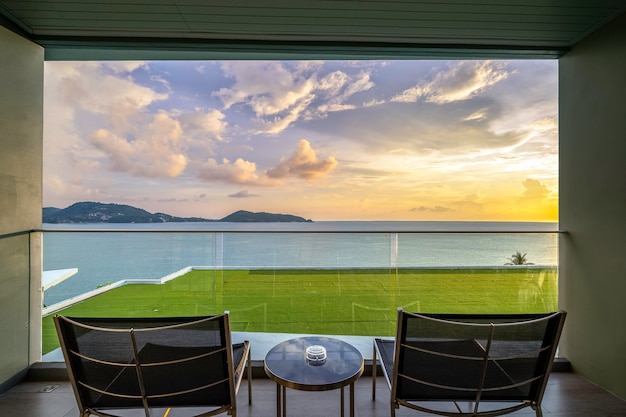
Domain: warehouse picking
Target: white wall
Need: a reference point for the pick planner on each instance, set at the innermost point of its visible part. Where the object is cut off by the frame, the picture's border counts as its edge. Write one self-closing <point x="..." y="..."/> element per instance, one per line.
<point x="592" y="207"/>
<point x="21" y="152"/>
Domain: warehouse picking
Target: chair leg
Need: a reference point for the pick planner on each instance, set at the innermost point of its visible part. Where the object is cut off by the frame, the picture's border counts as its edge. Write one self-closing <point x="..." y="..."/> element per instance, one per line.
<point x="250" y="377"/>
<point x="374" y="360"/>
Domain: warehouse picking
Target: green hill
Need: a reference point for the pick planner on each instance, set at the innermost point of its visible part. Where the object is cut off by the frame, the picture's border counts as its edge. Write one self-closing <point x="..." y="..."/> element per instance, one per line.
<point x="91" y="212"/>
<point x="243" y="216"/>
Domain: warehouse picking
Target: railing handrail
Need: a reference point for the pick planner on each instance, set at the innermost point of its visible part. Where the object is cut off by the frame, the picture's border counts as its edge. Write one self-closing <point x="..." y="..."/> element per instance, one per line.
<point x="435" y="231"/>
<point x="20" y="233"/>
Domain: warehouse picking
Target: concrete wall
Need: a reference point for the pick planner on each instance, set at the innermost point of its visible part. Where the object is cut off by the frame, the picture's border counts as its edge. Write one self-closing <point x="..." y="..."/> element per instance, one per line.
<point x="21" y="152"/>
<point x="592" y="207"/>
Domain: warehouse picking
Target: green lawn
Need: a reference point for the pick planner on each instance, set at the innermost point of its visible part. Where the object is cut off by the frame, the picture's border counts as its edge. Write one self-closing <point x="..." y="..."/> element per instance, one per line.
<point x="346" y="302"/>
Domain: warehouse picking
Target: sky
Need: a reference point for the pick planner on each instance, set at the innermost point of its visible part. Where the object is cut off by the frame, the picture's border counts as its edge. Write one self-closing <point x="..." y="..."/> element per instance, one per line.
<point x="324" y="140"/>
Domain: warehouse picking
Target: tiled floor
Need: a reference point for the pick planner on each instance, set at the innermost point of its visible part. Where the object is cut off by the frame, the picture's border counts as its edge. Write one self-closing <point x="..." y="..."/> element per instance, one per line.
<point x="567" y="395"/>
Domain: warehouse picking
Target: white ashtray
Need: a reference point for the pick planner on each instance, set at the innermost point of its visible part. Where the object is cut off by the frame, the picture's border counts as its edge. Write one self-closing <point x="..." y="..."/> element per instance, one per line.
<point x="315" y="355"/>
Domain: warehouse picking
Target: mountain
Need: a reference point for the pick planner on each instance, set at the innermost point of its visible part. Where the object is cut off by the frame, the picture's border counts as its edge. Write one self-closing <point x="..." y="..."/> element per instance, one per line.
<point x="243" y="216"/>
<point x="90" y="212"/>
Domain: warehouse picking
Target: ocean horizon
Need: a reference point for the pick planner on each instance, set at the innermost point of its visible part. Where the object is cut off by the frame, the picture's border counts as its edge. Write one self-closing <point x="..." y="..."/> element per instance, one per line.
<point x="109" y="252"/>
<point x="322" y="226"/>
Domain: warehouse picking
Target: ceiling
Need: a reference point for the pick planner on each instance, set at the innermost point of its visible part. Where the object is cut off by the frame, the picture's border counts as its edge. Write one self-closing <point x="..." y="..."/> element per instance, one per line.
<point x="285" y="29"/>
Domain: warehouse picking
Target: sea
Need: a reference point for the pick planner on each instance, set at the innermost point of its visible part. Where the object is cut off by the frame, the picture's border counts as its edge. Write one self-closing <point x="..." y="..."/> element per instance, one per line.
<point x="107" y="253"/>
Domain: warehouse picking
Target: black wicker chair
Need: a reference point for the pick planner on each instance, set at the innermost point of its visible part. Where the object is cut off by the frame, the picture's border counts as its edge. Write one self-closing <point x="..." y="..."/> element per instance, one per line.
<point x="469" y="365"/>
<point x="154" y="364"/>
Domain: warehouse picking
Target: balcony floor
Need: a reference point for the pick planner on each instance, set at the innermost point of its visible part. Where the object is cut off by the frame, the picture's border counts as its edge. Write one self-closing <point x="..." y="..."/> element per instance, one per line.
<point x="567" y="395"/>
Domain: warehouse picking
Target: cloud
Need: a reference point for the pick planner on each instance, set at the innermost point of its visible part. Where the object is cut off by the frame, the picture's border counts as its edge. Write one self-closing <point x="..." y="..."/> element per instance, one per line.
<point x="238" y="172"/>
<point x="88" y="101"/>
<point x="268" y="87"/>
<point x="432" y="209"/>
<point x="280" y="94"/>
<point x="421" y="130"/>
<point x="499" y="108"/>
<point x="359" y="83"/>
<point x="534" y="191"/>
<point x="469" y="204"/>
<point x="279" y="124"/>
<point x="529" y="95"/>
<point x="204" y="124"/>
<point x="99" y="116"/>
<point x="373" y="102"/>
<point x="154" y="151"/>
<point x="476" y="116"/>
<point x="158" y="145"/>
<point x="121" y="67"/>
<point x="461" y="81"/>
<point x="243" y="194"/>
<point x="303" y="163"/>
<point x="87" y="86"/>
<point x="339" y="87"/>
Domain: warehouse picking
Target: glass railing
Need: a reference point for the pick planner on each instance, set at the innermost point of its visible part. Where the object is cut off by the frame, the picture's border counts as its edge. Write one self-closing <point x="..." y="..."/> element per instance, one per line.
<point x="305" y="282"/>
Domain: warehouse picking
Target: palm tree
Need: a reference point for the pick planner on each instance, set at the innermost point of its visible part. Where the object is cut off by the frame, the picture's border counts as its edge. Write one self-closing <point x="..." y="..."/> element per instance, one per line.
<point x="518" y="259"/>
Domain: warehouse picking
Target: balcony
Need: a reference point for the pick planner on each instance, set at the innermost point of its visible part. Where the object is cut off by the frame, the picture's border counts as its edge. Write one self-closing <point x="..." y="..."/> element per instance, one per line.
<point x="316" y="280"/>
<point x="416" y="270"/>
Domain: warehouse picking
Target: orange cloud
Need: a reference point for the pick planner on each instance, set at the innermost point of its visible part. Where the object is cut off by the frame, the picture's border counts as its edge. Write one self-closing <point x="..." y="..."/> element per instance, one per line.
<point x="238" y="172"/>
<point x="303" y="163"/>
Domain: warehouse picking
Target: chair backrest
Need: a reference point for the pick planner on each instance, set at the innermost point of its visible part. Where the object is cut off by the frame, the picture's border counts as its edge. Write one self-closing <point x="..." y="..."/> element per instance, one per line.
<point x="148" y="362"/>
<point x="474" y="357"/>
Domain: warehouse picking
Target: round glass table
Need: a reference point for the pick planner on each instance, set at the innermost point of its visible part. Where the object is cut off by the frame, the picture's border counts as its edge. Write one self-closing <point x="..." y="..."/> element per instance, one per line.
<point x="288" y="366"/>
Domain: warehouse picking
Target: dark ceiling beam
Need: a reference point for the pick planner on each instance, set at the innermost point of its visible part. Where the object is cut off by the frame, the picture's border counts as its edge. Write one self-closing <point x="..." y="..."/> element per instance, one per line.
<point x="58" y="48"/>
<point x="10" y="24"/>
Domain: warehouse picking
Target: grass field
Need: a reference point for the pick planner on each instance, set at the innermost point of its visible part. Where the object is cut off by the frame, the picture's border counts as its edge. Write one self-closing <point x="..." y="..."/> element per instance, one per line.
<point x="341" y="302"/>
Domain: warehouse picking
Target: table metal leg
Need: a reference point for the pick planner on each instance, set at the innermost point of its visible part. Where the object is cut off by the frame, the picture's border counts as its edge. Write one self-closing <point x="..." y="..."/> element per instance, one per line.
<point x="351" y="400"/>
<point x="281" y="400"/>
<point x="278" y="401"/>
<point x="342" y="401"/>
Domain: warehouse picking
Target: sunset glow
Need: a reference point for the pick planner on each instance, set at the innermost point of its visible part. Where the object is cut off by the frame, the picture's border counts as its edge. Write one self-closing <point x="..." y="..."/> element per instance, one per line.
<point x="325" y="140"/>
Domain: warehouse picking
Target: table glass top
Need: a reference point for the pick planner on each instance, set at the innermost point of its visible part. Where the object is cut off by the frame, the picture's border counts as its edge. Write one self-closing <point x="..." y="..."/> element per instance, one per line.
<point x="286" y="364"/>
